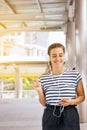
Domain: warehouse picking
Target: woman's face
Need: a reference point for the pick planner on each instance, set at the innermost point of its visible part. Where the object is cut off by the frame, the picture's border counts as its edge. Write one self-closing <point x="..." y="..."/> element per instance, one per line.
<point x="57" y="57"/>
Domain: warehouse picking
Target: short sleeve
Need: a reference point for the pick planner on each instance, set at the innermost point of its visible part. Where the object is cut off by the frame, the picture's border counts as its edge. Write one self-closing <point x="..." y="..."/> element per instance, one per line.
<point x="78" y="77"/>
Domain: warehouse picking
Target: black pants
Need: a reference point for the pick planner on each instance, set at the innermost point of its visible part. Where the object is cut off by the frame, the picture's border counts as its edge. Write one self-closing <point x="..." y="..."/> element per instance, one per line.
<point x="69" y="119"/>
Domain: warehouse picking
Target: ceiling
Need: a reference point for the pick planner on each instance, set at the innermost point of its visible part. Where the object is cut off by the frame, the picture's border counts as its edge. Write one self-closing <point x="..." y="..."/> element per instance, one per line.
<point x="33" y="15"/>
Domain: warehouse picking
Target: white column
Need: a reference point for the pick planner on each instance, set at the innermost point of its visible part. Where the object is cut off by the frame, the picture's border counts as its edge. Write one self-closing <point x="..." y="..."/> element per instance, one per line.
<point x="70" y="44"/>
<point x="81" y="27"/>
<point x="18" y="83"/>
<point x="1" y="47"/>
<point x="2" y="86"/>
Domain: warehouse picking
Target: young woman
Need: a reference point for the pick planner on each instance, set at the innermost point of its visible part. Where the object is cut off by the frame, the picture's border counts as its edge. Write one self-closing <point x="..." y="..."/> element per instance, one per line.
<point x="60" y="90"/>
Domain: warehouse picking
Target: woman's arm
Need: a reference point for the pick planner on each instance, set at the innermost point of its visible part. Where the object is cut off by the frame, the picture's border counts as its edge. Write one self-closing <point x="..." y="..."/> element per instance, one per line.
<point x="38" y="88"/>
<point x="80" y="96"/>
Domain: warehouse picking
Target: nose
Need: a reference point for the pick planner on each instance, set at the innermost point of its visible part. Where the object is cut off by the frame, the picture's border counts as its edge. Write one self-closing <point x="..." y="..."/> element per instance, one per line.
<point x="57" y="58"/>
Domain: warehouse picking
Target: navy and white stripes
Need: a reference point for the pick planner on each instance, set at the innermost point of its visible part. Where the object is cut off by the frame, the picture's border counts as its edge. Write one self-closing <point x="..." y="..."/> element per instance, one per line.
<point x="56" y="87"/>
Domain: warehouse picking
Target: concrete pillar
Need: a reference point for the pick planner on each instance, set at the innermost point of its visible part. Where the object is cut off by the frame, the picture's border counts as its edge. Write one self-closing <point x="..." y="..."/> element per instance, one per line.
<point x="81" y="28"/>
<point x="70" y="44"/>
<point x="18" y="83"/>
<point x="1" y="47"/>
<point x="1" y="86"/>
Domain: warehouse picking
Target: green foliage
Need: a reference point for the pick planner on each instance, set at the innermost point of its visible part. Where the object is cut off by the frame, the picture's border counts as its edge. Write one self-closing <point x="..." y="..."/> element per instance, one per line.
<point x="27" y="83"/>
<point x="11" y="80"/>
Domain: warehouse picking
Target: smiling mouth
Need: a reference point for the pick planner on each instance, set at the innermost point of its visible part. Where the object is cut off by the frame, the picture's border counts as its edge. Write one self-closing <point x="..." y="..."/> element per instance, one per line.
<point x="58" y="62"/>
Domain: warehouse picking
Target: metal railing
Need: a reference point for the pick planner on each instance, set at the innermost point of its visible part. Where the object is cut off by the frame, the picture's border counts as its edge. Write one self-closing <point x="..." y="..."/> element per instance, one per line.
<point x="22" y="94"/>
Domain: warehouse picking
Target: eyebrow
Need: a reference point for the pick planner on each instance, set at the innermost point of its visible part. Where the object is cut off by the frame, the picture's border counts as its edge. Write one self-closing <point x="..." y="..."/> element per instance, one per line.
<point x="56" y="54"/>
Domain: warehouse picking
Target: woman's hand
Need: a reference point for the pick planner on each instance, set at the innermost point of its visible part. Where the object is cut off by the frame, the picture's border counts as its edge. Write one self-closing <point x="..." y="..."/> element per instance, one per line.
<point x="80" y="96"/>
<point x="36" y="85"/>
<point x="66" y="102"/>
<point x="38" y="88"/>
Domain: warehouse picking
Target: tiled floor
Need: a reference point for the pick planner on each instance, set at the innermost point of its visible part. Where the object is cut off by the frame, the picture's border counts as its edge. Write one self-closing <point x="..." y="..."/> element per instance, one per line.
<point x="22" y="114"/>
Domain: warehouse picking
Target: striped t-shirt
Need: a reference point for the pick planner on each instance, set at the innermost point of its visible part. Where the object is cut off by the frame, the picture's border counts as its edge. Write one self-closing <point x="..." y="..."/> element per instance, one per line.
<point x="60" y="86"/>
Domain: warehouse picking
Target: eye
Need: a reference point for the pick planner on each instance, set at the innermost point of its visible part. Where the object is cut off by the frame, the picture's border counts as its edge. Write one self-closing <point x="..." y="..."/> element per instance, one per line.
<point x="60" y="55"/>
<point x="54" y="56"/>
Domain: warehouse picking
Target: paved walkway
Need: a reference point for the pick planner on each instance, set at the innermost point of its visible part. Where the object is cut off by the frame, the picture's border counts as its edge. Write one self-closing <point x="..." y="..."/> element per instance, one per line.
<point x="22" y="114"/>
